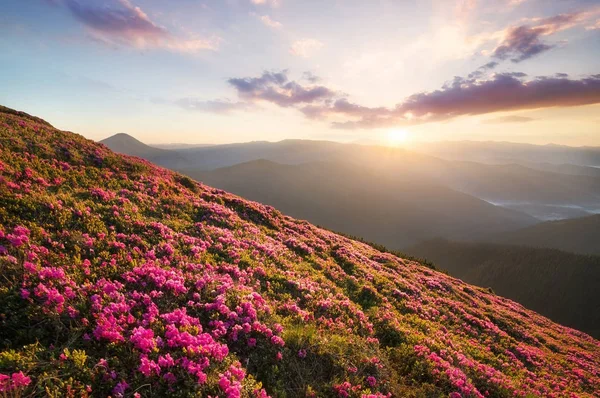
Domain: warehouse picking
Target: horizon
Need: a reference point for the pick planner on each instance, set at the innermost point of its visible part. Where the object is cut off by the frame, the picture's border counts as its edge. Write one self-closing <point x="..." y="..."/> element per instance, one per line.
<point x="381" y="143"/>
<point x="394" y="73"/>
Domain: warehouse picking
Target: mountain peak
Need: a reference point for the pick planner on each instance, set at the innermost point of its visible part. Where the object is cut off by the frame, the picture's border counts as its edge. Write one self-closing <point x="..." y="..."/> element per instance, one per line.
<point x="122" y="137"/>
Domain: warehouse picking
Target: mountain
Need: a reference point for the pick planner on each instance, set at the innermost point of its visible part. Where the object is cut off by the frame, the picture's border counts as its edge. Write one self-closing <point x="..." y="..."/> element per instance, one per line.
<point x="542" y="194"/>
<point x="560" y="285"/>
<point x="493" y="152"/>
<point x="286" y="152"/>
<point x="537" y="191"/>
<point x="393" y="210"/>
<point x="176" y="146"/>
<point x="564" y="168"/>
<point x="126" y="144"/>
<point x="125" y="279"/>
<point x="579" y="235"/>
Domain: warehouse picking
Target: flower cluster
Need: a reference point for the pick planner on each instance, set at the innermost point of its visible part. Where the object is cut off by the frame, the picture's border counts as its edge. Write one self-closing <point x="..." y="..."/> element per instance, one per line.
<point x="13" y="383"/>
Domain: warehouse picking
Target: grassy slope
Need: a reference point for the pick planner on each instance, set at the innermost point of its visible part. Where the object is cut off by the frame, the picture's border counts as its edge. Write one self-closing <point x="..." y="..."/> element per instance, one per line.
<point x="121" y="277"/>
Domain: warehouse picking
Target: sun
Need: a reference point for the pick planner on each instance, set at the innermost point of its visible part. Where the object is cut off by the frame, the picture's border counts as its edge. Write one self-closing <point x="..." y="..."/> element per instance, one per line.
<point x="397" y="137"/>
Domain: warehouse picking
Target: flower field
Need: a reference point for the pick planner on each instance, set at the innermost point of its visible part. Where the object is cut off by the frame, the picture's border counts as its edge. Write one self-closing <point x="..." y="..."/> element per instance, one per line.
<point x="123" y="279"/>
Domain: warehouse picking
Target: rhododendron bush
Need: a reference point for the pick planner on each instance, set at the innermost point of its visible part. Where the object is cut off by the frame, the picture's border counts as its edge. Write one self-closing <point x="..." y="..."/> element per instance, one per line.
<point x="124" y="279"/>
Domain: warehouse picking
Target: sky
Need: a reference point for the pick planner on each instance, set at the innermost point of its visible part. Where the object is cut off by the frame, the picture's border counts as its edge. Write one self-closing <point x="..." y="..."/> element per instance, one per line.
<point x="221" y="71"/>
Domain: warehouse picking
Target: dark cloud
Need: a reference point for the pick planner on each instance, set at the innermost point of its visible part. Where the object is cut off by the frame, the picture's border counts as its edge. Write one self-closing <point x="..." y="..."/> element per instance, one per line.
<point x="489" y="65"/>
<point x="275" y="87"/>
<point x="482" y="70"/>
<point x="509" y="119"/>
<point x="525" y="41"/>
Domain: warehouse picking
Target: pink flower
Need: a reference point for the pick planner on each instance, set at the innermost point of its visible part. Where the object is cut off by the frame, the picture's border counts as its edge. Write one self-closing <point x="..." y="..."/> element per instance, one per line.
<point x="143" y="339"/>
<point x="372" y="381"/>
<point x="302" y="353"/>
<point x="17" y="381"/>
<point x="148" y="367"/>
<point x="277" y="341"/>
<point x="5" y="384"/>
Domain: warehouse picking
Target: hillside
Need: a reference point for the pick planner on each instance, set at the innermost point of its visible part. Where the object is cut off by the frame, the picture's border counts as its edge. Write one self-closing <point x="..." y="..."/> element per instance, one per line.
<point x="578" y="235"/>
<point x="126" y="144"/>
<point x="396" y="211"/>
<point x="562" y="286"/>
<point x="123" y="278"/>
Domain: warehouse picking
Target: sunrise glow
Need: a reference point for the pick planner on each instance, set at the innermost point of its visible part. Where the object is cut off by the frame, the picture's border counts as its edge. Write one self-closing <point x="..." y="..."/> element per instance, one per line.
<point x="397" y="137"/>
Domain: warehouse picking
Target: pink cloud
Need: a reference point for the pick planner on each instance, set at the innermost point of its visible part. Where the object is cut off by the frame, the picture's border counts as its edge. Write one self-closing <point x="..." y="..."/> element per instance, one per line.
<point x="122" y="23"/>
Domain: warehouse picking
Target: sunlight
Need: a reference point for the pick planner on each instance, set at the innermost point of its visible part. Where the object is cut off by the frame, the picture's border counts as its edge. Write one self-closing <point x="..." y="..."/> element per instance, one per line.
<point x="397" y="137"/>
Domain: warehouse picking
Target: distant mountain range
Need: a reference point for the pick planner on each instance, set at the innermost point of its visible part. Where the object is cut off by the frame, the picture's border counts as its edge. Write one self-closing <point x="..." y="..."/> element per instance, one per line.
<point x="394" y="210"/>
<point x="562" y="286"/>
<point x="494" y="152"/>
<point x="540" y="193"/>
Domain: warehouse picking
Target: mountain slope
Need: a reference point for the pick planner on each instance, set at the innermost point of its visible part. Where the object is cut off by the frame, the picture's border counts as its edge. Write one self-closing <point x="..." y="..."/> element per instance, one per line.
<point x="525" y="189"/>
<point x="126" y="144"/>
<point x="394" y="210"/>
<point x="564" y="168"/>
<point x="578" y="235"/>
<point x="563" y="286"/>
<point x="493" y="152"/>
<point x="120" y="277"/>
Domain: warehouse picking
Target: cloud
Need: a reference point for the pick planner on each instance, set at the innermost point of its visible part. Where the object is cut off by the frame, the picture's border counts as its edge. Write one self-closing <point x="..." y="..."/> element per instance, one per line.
<point x="501" y="92"/>
<point x="509" y="119"/>
<point x="212" y="106"/>
<point x="525" y="41"/>
<point x="594" y="26"/>
<point x="265" y="19"/>
<point x="275" y="87"/>
<point x="483" y="69"/>
<point x="272" y="3"/>
<point x="306" y="47"/>
<point x="121" y="23"/>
